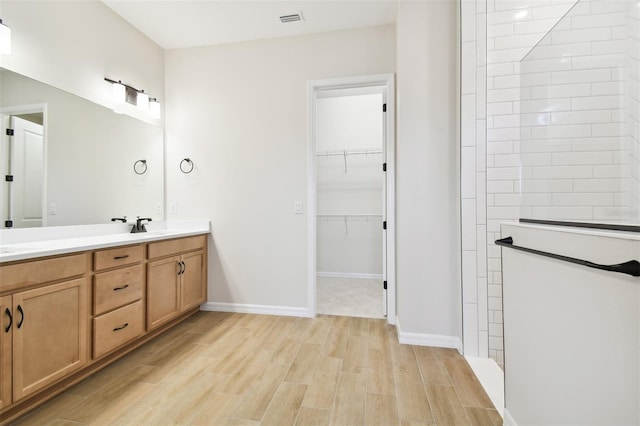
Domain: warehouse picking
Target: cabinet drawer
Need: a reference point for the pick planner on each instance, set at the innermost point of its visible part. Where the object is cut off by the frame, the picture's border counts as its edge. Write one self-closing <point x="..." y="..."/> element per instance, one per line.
<point x="118" y="256"/>
<point x="179" y="245"/>
<point x="14" y="277"/>
<point x="117" y="328"/>
<point x="117" y="288"/>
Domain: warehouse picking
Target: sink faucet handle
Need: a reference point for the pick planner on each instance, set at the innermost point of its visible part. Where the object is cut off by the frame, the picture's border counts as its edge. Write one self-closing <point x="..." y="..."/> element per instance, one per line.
<point x="141" y="226"/>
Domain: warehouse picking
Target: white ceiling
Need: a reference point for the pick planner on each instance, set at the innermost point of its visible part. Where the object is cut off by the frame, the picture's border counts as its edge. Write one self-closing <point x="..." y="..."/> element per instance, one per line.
<point x="174" y="24"/>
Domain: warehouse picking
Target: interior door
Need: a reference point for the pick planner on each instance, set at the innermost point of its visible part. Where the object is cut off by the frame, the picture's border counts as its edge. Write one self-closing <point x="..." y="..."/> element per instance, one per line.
<point x="27" y="169"/>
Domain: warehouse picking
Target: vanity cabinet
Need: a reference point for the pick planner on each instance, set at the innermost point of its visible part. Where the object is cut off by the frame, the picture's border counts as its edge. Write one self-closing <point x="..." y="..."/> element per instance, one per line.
<point x="65" y="317"/>
<point x="118" y="295"/>
<point x="176" y="281"/>
<point x="44" y="328"/>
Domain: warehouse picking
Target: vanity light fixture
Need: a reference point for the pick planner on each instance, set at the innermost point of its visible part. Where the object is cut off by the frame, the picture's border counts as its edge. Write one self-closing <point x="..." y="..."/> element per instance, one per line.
<point x="142" y="101"/>
<point x="5" y="39"/>
<point x="122" y="93"/>
<point x="154" y="108"/>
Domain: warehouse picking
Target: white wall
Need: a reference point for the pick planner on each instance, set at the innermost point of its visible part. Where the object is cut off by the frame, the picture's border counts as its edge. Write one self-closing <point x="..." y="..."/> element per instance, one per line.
<point x="239" y="111"/>
<point x="74" y="45"/>
<point x="428" y="277"/>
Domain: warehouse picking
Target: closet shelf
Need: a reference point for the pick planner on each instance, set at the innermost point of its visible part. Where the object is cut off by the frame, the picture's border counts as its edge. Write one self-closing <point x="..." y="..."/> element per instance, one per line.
<point x="346" y="216"/>
<point x="346" y="152"/>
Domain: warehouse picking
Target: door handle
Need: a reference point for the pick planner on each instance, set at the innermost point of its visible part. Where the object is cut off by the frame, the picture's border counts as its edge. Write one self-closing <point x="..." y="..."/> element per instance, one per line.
<point x="8" y="312"/>
<point x="21" y="316"/>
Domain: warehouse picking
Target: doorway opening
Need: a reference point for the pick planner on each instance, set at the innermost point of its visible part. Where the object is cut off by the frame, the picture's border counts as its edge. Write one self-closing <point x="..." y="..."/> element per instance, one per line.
<point x="351" y="197"/>
<point x="23" y="166"/>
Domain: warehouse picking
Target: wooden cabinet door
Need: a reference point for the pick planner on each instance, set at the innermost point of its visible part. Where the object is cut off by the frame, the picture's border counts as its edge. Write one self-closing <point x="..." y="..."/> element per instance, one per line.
<point x="162" y="291"/>
<point x="49" y="335"/>
<point x="6" y="332"/>
<point x="192" y="283"/>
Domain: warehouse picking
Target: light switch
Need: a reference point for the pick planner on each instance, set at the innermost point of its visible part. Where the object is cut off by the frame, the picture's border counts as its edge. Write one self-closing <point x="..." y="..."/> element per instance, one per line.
<point x="173" y="208"/>
<point x="297" y="207"/>
<point x="158" y="208"/>
<point x="53" y="209"/>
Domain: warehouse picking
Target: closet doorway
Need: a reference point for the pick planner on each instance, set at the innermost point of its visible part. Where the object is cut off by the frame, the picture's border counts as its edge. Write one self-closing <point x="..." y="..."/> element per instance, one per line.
<point x="351" y="201"/>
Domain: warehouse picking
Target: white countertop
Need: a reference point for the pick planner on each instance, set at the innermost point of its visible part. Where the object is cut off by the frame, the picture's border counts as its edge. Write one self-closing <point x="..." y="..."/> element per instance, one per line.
<point x="20" y="244"/>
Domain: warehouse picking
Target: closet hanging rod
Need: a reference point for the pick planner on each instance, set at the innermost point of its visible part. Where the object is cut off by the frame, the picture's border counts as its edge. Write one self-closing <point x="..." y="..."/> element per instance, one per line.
<point x="349" y="152"/>
<point x="349" y="215"/>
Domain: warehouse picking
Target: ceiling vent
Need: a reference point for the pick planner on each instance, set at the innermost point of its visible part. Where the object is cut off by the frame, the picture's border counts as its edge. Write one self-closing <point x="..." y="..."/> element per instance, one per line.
<point x="295" y="17"/>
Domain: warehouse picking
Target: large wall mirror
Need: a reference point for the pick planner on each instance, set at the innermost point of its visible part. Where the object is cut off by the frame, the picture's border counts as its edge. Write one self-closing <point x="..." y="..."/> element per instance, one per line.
<point x="74" y="162"/>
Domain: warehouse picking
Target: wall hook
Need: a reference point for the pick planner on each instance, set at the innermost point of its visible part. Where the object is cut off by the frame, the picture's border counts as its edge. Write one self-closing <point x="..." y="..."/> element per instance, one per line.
<point x="140" y="167"/>
<point x="188" y="168"/>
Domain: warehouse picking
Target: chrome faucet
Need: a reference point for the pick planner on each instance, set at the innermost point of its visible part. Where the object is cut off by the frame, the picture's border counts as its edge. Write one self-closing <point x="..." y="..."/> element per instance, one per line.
<point x="139" y="226"/>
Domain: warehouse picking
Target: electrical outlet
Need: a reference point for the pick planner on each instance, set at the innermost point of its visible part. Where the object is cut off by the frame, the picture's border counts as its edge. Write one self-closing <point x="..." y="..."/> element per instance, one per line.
<point x="173" y="208"/>
<point x="297" y="207"/>
<point x="158" y="208"/>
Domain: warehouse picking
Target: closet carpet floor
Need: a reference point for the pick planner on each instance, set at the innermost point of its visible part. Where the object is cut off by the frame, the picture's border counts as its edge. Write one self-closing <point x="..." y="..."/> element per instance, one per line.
<point x="242" y="369"/>
<point x="352" y="297"/>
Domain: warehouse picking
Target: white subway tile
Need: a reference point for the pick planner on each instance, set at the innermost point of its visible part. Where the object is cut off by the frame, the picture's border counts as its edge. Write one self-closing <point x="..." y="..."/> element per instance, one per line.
<point x="561" y="91"/>
<point x="530" y="66"/>
<point x="468" y="20"/>
<point x="495" y="303"/>
<point x="622" y="214"/>
<point x="500" y="30"/>
<point x="519" y="4"/>
<point x="516" y="41"/>
<point x="546" y="185"/>
<point x="545" y="145"/>
<point x="506" y="55"/>
<point x="608" y="88"/>
<point x="499" y="186"/>
<point x="563" y="213"/>
<point x="499" y="69"/>
<point x="608" y="47"/>
<point x="580" y="76"/>
<point x="468" y="172"/>
<point x="597" y="102"/>
<point x="503" y="212"/>
<point x="509" y="134"/>
<point x="468" y="68"/>
<point x="495" y="330"/>
<point x="615" y="129"/>
<point x="535" y="79"/>
<point x="499" y="147"/>
<point x="598" y="61"/>
<point x="579" y="158"/>
<point x="468" y="121"/>
<point x="506" y="82"/>
<point x="560" y="132"/>
<point x="581" y="199"/>
<point x="535" y="159"/>
<point x="481" y="251"/>
<point x="539" y="26"/>
<point x="580" y="117"/>
<point x="504" y="173"/>
<point x="499" y="108"/>
<point x="575" y="36"/>
<point x="557" y="51"/>
<point x="505" y="16"/>
<point x="562" y="172"/>
<point x="470" y="324"/>
<point x="481" y="199"/>
<point x="550" y="12"/>
<point x="613" y="171"/>
<point x="608" y="6"/>
<point x="546" y="105"/>
<point x="503" y="121"/>
<point x="469" y="275"/>
<point x="507" y="160"/>
<point x="614" y="143"/>
<point x="601" y="185"/>
<point x="468" y="207"/>
<point x="595" y="20"/>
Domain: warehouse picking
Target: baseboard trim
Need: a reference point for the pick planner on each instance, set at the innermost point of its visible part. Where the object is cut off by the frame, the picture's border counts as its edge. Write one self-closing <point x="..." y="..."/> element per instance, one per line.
<point x="255" y="309"/>
<point x="349" y="275"/>
<point x="423" y="339"/>
<point x="508" y="419"/>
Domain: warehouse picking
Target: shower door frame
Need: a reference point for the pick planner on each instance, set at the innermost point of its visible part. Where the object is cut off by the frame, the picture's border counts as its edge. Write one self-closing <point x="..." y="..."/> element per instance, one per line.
<point x="387" y="82"/>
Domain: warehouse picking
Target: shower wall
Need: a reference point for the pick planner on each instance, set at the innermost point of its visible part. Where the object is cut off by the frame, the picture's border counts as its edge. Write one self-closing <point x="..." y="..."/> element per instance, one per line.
<point x="578" y="156"/>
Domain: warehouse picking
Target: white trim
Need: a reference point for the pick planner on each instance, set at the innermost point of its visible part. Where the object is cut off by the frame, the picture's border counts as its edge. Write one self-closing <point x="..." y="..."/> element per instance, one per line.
<point x="243" y="308"/>
<point x="422" y="339"/>
<point x="508" y="419"/>
<point x="350" y="275"/>
<point x="491" y="377"/>
<point x="313" y="86"/>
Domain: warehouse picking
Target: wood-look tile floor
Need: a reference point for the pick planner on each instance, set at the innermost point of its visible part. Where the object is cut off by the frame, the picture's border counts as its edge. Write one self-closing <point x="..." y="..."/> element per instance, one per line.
<point x="240" y="369"/>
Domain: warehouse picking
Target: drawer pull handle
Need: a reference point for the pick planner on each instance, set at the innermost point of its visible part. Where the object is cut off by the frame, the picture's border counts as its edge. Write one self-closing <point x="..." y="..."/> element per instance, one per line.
<point x="120" y="257"/>
<point x="21" y="316"/>
<point x="182" y="267"/>
<point x="121" y="288"/>
<point x="121" y="327"/>
<point x="8" y="312"/>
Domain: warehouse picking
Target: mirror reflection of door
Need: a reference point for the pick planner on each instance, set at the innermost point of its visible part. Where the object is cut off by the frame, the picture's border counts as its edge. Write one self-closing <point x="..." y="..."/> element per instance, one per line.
<point x="23" y="159"/>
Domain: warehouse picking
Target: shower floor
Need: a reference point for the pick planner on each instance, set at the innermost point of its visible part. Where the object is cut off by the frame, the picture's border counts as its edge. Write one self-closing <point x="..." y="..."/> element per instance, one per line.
<point x="352" y="297"/>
